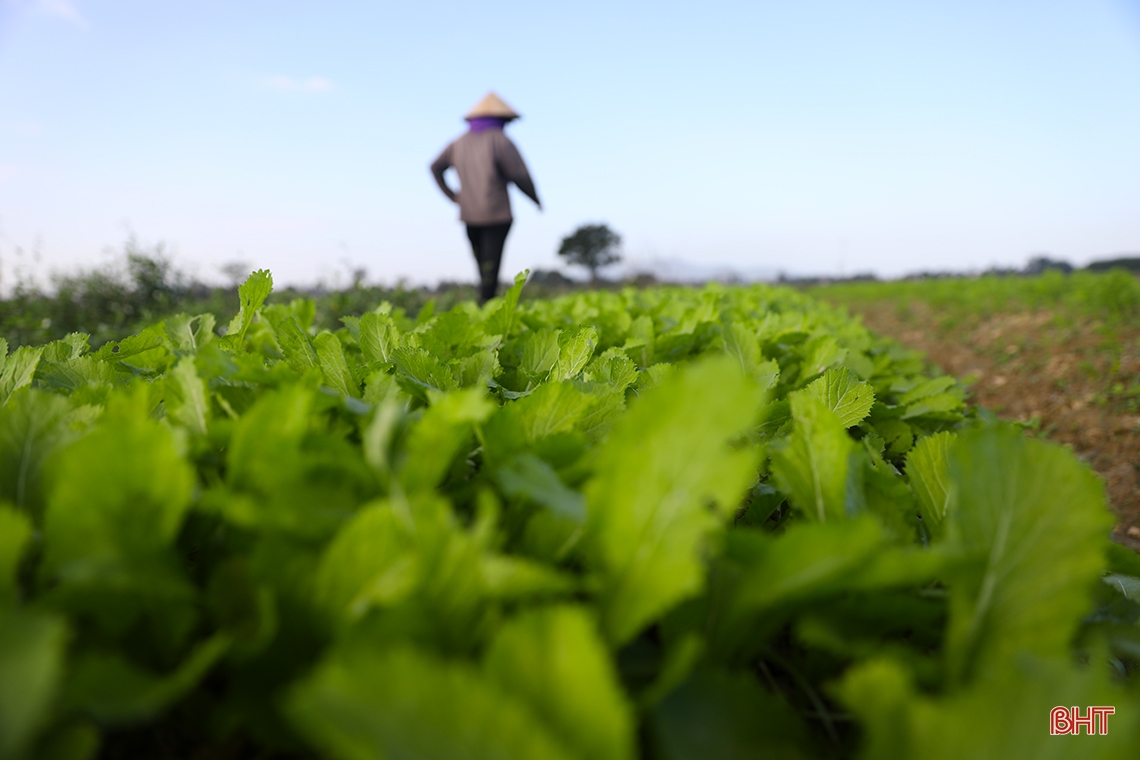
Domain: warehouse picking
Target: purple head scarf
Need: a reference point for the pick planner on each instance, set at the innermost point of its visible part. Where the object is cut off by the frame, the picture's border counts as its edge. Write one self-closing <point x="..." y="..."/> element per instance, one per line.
<point x="482" y="123"/>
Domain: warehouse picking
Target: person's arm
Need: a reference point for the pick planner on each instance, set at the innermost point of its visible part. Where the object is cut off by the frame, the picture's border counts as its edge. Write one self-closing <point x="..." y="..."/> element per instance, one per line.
<point x="438" y="167"/>
<point x="511" y="165"/>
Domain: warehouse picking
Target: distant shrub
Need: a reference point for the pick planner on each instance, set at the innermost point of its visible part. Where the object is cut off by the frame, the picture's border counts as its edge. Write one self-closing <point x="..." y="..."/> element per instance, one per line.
<point x="1128" y="263"/>
<point x="106" y="302"/>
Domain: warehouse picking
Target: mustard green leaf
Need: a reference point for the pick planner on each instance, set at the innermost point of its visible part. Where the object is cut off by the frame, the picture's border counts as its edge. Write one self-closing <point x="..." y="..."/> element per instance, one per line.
<point x="898" y="435"/>
<point x="555" y="661"/>
<point x="31" y="667"/>
<point x="613" y="368"/>
<point x="575" y="351"/>
<point x="370" y="562"/>
<point x="30" y="432"/>
<point x="435" y="440"/>
<point x="641" y="344"/>
<point x="928" y="469"/>
<point x="1034" y="519"/>
<point x="18" y="370"/>
<point x="111" y="689"/>
<point x="419" y="371"/>
<point x="15" y="530"/>
<point x="501" y="320"/>
<point x="379" y="436"/>
<point x="662" y="465"/>
<point x="933" y="387"/>
<point x="550" y="537"/>
<point x="819" y="354"/>
<point x="266" y="435"/>
<point x="131" y="347"/>
<point x="809" y="560"/>
<point x="75" y="740"/>
<point x="512" y="578"/>
<point x="553" y="408"/>
<point x="728" y="716"/>
<point x="812" y="468"/>
<point x="681" y="658"/>
<point x="305" y="310"/>
<point x="937" y="406"/>
<point x="294" y="343"/>
<point x="71" y="346"/>
<point x="284" y="474"/>
<point x="527" y="475"/>
<point x="251" y="295"/>
<point x="477" y="369"/>
<point x="70" y="375"/>
<point x="334" y="367"/>
<point x="539" y="354"/>
<point x="456" y="330"/>
<point x="188" y="334"/>
<point x="741" y="342"/>
<point x="379" y="337"/>
<point x="186" y="402"/>
<point x="844" y="394"/>
<point x="1001" y="716"/>
<point x="120" y="491"/>
<point x="370" y="704"/>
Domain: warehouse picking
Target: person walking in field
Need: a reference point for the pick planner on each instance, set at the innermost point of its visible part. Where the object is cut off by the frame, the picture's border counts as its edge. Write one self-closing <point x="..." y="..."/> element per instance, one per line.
<point x="486" y="161"/>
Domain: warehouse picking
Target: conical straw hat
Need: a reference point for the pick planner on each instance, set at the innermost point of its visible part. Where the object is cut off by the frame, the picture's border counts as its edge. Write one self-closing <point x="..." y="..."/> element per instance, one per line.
<point x="492" y="105"/>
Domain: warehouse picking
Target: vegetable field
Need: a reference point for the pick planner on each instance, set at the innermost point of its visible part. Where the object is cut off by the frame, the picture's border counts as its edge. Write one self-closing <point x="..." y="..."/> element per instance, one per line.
<point x="669" y="523"/>
<point x="1059" y="355"/>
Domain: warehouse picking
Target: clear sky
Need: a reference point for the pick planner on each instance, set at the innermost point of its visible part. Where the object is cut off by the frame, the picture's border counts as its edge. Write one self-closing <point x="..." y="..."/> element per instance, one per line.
<point x="809" y="137"/>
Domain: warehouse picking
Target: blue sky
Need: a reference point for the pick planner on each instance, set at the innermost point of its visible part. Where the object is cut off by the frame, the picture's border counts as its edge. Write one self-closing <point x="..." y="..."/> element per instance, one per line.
<point x="809" y="137"/>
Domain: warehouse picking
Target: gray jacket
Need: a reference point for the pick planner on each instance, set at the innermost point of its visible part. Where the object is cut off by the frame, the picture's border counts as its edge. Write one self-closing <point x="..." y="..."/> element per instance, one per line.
<point x="485" y="161"/>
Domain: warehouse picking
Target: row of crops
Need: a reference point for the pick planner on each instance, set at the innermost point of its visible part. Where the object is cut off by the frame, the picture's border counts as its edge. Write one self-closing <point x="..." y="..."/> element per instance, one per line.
<point x="668" y="523"/>
<point x="1112" y="297"/>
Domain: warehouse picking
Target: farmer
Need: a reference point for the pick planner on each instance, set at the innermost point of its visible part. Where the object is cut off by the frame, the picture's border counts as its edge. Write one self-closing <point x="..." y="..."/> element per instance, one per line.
<point x="485" y="160"/>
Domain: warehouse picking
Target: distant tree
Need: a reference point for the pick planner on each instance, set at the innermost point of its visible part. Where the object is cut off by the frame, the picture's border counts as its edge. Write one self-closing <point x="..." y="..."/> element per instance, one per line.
<point x="592" y="246"/>
<point x="1042" y="264"/>
<point x="236" y="272"/>
<point x="1131" y="263"/>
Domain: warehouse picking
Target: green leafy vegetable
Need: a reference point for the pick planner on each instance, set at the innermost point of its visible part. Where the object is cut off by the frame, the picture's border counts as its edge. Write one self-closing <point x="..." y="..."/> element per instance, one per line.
<point x="31" y="666"/>
<point x="844" y="394"/>
<point x="928" y="467"/>
<point x="554" y="660"/>
<point x="664" y="462"/>
<point x="812" y="468"/>
<point x="252" y="295"/>
<point x="665" y="522"/>
<point x="404" y="703"/>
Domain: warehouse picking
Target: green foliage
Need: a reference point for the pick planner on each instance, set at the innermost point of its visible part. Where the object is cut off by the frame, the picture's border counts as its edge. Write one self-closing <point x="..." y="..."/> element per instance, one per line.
<point x="844" y="394"/>
<point x="31" y="666"/>
<point x="251" y="295"/>
<point x="998" y="719"/>
<point x="17" y="370"/>
<point x="1031" y="519"/>
<point x="1113" y="296"/>
<point x="811" y="468"/>
<point x="554" y="659"/>
<point x="401" y="703"/>
<point x="15" y="530"/>
<point x="662" y="523"/>
<point x="112" y="690"/>
<point x="928" y="468"/>
<point x="727" y="716"/>
<point x="665" y="464"/>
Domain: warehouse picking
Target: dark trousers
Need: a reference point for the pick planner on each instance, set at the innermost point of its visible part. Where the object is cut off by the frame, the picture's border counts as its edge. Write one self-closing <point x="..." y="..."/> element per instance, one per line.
<point x="487" y="244"/>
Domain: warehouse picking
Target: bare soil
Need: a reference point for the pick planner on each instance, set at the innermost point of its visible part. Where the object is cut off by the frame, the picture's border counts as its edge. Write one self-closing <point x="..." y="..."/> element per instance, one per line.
<point x="1076" y="382"/>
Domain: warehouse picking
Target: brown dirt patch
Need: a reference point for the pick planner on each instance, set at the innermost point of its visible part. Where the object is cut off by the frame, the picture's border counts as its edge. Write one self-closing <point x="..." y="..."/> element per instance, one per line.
<point x="1074" y="381"/>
